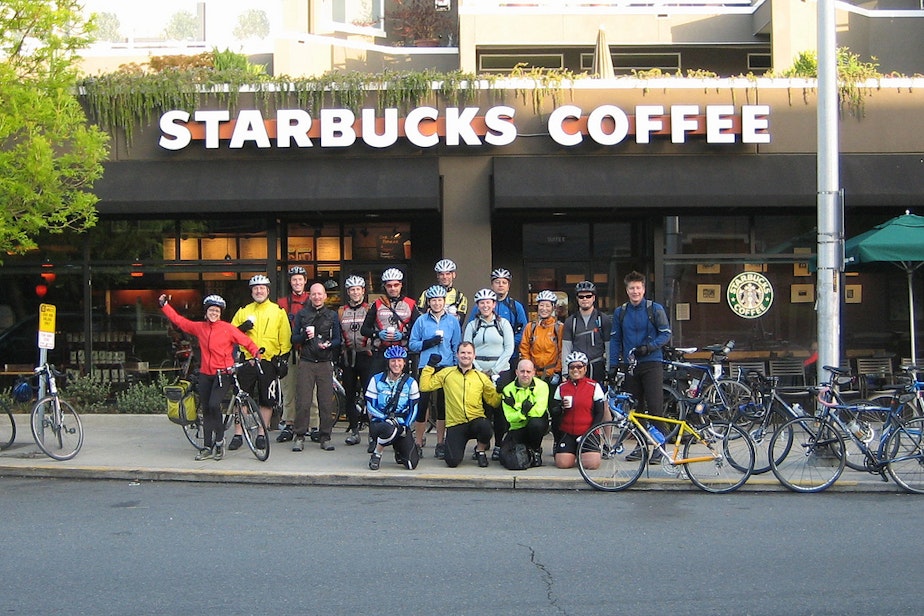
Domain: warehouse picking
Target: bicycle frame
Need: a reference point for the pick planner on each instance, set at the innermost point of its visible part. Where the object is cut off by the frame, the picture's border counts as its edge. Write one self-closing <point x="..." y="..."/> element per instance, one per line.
<point x="683" y="426"/>
<point x="876" y="460"/>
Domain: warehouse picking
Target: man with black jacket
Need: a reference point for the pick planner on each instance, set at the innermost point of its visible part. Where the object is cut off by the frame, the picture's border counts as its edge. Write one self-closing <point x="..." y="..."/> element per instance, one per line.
<point x="317" y="329"/>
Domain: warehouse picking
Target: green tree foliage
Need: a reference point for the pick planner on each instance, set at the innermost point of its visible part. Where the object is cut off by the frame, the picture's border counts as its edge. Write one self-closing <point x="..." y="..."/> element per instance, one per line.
<point x="183" y="26"/>
<point x="49" y="154"/>
<point x="252" y="23"/>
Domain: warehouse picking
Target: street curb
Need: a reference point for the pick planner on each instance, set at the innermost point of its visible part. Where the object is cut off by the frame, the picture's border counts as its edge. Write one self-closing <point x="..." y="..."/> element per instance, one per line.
<point x="395" y="479"/>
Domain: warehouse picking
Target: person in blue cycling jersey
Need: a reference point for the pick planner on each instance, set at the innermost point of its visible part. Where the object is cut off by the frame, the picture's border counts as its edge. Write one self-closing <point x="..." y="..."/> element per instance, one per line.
<point x="391" y="401"/>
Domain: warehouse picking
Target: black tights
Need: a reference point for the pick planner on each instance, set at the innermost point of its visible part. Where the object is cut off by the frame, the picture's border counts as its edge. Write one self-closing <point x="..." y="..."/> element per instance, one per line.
<point x="212" y="392"/>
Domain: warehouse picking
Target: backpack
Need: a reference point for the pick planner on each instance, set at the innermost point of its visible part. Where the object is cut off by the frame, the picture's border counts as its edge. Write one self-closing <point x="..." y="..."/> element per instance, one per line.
<point x="649" y="305"/>
<point x="181" y="403"/>
<point x="514" y="456"/>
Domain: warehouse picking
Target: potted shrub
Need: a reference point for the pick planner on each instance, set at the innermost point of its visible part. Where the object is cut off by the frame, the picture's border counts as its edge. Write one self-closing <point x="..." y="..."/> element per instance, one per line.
<point x="419" y="22"/>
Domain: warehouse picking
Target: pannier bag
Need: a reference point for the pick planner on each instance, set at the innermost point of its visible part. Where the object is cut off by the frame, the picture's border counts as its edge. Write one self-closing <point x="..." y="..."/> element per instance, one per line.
<point x="181" y="403"/>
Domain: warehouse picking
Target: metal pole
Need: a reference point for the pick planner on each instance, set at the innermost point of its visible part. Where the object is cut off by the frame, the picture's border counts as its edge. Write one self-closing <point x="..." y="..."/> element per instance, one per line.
<point x="914" y="355"/>
<point x="830" y="207"/>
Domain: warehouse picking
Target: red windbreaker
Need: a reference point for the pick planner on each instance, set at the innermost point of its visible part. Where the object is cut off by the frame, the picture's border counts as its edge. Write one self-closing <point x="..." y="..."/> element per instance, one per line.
<point x="216" y="340"/>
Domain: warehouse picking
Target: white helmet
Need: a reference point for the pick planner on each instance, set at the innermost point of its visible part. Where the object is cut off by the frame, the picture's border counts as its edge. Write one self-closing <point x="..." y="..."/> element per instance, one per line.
<point x="485" y="294"/>
<point x="392" y="273"/>
<point x="354" y="281"/>
<point x="259" y="279"/>
<point x="576" y="357"/>
<point x="436" y="290"/>
<point x="546" y="296"/>
<point x="501" y="273"/>
<point x="444" y="265"/>
<point x="298" y="270"/>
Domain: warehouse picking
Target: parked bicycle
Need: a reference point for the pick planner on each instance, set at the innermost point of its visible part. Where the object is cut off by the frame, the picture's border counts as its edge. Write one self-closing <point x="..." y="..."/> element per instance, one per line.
<point x="717" y="457"/>
<point x="815" y="456"/>
<point x="684" y="379"/>
<point x="56" y="426"/>
<point x="762" y="415"/>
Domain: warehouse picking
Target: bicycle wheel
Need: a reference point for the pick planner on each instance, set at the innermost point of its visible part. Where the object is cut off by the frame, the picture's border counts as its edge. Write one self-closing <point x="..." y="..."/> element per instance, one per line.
<point x="611" y="443"/>
<point x="761" y="427"/>
<point x="248" y="414"/>
<point x="59" y="435"/>
<point x="7" y="435"/>
<point x="905" y="449"/>
<point x="815" y="459"/>
<point x="195" y="433"/>
<point x="724" y="406"/>
<point x="733" y="460"/>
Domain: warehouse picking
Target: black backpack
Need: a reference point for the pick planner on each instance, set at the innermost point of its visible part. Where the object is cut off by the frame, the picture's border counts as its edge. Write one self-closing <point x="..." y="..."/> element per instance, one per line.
<point x="514" y="456"/>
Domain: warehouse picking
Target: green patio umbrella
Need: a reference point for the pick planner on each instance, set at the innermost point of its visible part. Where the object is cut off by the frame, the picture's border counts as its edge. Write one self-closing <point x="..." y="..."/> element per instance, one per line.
<point x="899" y="241"/>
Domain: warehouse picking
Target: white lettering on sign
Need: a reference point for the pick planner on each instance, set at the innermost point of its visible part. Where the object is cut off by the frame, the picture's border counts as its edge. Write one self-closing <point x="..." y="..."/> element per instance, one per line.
<point x="499" y="122"/>
<point x="293" y="125"/>
<point x="426" y="127"/>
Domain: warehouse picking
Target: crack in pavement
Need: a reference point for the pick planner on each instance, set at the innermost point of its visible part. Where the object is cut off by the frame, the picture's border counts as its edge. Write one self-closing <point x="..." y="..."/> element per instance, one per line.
<point x="547" y="579"/>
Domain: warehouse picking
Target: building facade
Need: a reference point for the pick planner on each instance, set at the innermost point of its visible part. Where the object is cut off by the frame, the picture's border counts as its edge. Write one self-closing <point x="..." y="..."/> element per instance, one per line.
<point x="692" y="181"/>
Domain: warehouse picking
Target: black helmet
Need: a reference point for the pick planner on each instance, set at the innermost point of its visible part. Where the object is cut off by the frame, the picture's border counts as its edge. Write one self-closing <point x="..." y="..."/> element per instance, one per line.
<point x="585" y="286"/>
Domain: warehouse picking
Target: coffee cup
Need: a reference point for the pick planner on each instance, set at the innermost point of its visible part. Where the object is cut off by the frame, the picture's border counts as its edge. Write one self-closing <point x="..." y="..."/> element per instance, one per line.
<point x="566" y="401"/>
<point x="310" y="331"/>
<point x="439" y="333"/>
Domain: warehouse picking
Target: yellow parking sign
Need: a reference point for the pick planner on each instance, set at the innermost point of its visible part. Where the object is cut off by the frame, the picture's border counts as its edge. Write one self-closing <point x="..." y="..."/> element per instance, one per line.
<point x="47" y="318"/>
<point x="46" y="333"/>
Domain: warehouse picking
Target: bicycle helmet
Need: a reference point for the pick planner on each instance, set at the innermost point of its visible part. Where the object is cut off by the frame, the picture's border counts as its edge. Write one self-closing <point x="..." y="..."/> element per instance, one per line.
<point x="485" y="294"/>
<point x="396" y="352"/>
<point x="296" y="270"/>
<point x="585" y="286"/>
<point x="354" y="281"/>
<point x="501" y="273"/>
<point x="576" y="357"/>
<point x="392" y="273"/>
<point x="214" y="300"/>
<point x="444" y="265"/>
<point x="436" y="290"/>
<point x="546" y="296"/>
<point x="22" y="391"/>
<point x="259" y="279"/>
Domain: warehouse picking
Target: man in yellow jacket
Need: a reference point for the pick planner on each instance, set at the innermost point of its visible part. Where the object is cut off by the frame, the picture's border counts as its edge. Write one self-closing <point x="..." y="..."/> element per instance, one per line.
<point x="466" y="391"/>
<point x="267" y="325"/>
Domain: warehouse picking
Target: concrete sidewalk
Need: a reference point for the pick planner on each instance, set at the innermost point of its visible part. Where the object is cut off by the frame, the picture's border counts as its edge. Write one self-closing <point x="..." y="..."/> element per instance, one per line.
<point x="149" y="447"/>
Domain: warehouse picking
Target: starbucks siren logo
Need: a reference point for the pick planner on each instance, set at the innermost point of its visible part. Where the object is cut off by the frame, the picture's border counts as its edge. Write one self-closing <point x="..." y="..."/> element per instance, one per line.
<point x="750" y="295"/>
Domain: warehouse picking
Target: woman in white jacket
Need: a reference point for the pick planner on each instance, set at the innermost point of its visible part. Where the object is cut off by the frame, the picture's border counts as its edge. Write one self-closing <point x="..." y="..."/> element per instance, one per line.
<point x="492" y="336"/>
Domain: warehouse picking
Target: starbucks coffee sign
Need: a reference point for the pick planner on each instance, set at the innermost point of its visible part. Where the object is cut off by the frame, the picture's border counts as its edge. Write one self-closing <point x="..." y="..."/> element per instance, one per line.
<point x="750" y="295"/>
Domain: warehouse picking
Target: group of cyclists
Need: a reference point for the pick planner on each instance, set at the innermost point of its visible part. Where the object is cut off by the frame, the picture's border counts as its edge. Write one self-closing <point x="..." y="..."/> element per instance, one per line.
<point x="490" y="374"/>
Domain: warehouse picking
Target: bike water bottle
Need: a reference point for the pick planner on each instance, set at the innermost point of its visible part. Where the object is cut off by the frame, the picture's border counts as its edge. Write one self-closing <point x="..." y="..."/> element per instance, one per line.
<point x="656" y="434"/>
<point x="797" y="408"/>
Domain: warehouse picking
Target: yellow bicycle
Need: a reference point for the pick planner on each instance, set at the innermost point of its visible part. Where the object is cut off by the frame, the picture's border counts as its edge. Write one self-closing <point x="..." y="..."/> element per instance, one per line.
<point x="718" y="457"/>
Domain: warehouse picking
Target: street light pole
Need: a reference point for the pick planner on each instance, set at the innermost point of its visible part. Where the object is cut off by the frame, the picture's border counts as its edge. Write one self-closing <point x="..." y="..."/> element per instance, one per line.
<point x="830" y="205"/>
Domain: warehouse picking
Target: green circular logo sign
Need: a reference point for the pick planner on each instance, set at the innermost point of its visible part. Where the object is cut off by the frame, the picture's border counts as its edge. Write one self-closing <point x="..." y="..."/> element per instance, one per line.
<point x="750" y="295"/>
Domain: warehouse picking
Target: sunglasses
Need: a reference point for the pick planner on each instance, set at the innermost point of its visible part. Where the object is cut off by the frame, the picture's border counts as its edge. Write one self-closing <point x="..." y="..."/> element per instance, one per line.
<point x="576" y="366"/>
<point x="585" y="296"/>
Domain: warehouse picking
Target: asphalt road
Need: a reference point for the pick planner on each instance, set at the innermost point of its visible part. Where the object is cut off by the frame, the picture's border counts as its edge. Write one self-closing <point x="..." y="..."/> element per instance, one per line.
<point x="117" y="547"/>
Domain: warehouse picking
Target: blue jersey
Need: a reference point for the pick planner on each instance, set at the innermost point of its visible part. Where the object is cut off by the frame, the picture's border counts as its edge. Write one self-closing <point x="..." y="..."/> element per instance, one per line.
<point x="380" y="392"/>
<point x="425" y="327"/>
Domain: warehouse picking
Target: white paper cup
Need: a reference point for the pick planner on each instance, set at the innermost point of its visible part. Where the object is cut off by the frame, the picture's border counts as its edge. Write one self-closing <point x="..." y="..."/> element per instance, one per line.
<point x="439" y="333"/>
<point x="390" y="329"/>
<point x="310" y="331"/>
<point x="566" y="401"/>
